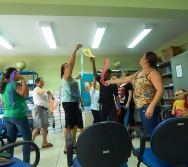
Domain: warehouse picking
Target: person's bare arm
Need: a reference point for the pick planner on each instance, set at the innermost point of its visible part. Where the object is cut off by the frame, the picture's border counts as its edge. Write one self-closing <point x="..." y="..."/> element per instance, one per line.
<point x="40" y="91"/>
<point x="118" y="104"/>
<point x="22" y="90"/>
<point x="156" y="79"/>
<point x="68" y="72"/>
<point x="92" y="59"/>
<point x="82" y="103"/>
<point x="129" y="98"/>
<point x="122" y="80"/>
<point x="94" y="83"/>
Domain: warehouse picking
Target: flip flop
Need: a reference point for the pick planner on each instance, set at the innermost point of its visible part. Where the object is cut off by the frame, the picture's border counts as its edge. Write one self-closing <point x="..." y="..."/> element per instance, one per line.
<point x="32" y="149"/>
<point x="74" y="152"/>
<point x="48" y="145"/>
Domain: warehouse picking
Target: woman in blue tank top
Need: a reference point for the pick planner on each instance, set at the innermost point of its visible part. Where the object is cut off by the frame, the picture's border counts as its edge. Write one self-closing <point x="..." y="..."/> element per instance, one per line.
<point x="70" y="97"/>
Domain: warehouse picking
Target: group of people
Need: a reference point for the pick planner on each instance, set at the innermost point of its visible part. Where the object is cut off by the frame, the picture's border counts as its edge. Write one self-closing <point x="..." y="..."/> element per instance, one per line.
<point x="103" y="106"/>
<point x="147" y="93"/>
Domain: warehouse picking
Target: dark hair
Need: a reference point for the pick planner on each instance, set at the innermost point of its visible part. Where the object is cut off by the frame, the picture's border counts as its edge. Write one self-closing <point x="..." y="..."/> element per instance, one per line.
<point x="152" y="59"/>
<point x="6" y="78"/>
<point x="108" y="70"/>
<point x="62" y="70"/>
<point x="37" y="80"/>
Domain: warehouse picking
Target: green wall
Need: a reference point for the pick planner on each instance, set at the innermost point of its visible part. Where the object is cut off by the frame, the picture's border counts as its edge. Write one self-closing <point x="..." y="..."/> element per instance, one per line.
<point x="48" y="67"/>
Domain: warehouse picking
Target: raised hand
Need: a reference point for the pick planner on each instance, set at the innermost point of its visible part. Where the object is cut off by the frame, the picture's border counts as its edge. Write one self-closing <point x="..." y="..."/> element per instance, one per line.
<point x="92" y="59"/>
<point x="78" y="47"/>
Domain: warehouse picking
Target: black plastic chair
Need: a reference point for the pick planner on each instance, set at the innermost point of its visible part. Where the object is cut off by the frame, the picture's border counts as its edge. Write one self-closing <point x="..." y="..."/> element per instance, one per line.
<point x="4" y="137"/>
<point x="18" y="162"/>
<point x="168" y="114"/>
<point x="169" y="145"/>
<point x="104" y="144"/>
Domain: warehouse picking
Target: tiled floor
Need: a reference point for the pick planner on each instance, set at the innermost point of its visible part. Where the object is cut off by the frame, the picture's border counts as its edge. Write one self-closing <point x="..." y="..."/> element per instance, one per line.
<point x="54" y="156"/>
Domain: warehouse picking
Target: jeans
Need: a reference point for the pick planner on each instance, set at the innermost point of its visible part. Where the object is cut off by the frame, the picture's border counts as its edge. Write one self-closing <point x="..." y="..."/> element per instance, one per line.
<point x="123" y="113"/>
<point x="150" y="124"/>
<point x="107" y="111"/>
<point x="14" y="125"/>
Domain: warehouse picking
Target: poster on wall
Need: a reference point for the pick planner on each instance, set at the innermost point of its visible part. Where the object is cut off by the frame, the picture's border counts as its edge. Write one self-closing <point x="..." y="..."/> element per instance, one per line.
<point x="179" y="72"/>
<point x="85" y="86"/>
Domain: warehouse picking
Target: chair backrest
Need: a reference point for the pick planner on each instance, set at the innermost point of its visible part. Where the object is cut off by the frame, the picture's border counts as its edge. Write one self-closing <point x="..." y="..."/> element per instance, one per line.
<point x="103" y="144"/>
<point x="169" y="141"/>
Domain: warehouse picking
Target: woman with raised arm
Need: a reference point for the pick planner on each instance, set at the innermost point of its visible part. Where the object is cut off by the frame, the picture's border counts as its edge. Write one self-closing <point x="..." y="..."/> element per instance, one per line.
<point x="148" y="91"/>
<point x="70" y="96"/>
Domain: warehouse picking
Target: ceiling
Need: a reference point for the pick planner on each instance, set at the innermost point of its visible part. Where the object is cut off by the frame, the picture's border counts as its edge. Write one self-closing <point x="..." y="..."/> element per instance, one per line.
<point x="22" y="29"/>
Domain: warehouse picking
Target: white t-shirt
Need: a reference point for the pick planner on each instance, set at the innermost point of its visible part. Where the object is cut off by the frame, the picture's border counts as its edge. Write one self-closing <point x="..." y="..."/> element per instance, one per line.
<point x="41" y="100"/>
<point x="94" y="94"/>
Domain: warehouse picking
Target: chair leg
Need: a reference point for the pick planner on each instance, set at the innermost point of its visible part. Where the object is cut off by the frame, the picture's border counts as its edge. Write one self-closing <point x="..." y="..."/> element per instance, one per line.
<point x="138" y="164"/>
<point x="69" y="149"/>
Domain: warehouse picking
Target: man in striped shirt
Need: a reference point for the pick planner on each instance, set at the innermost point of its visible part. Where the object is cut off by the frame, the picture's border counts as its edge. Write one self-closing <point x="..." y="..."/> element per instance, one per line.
<point x="107" y="96"/>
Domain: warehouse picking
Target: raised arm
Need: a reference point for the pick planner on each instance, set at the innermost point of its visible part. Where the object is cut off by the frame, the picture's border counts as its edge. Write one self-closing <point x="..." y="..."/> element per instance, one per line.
<point x="92" y="59"/>
<point x="22" y="90"/>
<point x="68" y="72"/>
<point x="94" y="82"/>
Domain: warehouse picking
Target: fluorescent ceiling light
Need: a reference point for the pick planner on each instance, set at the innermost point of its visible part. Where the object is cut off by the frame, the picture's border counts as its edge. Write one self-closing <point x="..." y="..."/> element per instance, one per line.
<point x="48" y="34"/>
<point x="142" y="34"/>
<point x="98" y="35"/>
<point x="5" y="43"/>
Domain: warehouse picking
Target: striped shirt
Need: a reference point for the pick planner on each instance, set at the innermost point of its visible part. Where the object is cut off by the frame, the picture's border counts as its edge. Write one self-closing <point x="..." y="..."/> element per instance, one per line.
<point x="107" y="93"/>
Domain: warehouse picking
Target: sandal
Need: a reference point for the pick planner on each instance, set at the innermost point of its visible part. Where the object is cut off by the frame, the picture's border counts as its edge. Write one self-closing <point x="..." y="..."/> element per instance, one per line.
<point x="48" y="145"/>
<point x="32" y="149"/>
<point x="74" y="151"/>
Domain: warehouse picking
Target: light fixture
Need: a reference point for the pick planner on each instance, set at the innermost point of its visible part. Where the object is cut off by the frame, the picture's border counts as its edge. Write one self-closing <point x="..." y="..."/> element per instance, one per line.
<point x="144" y="31"/>
<point x="101" y="27"/>
<point x="5" y="43"/>
<point x="48" y="34"/>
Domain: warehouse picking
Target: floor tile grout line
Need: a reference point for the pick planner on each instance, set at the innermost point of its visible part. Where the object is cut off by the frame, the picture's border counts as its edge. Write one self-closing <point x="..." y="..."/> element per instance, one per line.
<point x="59" y="153"/>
